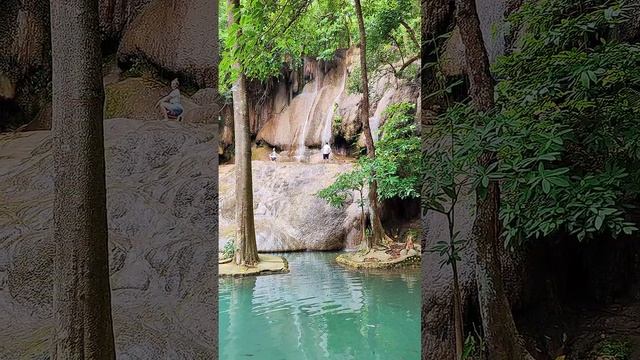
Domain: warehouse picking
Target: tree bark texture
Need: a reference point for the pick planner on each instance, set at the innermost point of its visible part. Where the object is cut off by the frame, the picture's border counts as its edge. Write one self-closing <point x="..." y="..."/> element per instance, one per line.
<point x="377" y="230"/>
<point x="81" y="295"/>
<point x="501" y="336"/>
<point x="246" y="248"/>
<point x="440" y="285"/>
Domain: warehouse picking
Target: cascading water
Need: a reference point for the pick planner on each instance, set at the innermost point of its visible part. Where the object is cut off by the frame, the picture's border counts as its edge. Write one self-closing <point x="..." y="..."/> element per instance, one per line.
<point x="302" y="135"/>
<point x="328" y="122"/>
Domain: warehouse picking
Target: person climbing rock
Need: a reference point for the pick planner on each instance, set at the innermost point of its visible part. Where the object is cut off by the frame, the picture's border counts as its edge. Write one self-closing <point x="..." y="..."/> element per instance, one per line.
<point x="326" y="150"/>
<point x="170" y="104"/>
<point x="273" y="155"/>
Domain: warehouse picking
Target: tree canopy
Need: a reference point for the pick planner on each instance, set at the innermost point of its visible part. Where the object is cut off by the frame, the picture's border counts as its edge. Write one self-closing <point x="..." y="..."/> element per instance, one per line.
<point x="278" y="34"/>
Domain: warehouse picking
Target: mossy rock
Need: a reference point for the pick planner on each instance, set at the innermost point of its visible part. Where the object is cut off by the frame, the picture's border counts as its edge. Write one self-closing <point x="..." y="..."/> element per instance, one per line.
<point x="268" y="265"/>
<point x="353" y="260"/>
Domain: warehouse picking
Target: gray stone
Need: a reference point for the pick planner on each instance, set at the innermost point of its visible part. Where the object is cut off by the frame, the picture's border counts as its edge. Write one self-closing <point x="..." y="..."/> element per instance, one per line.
<point x="288" y="214"/>
<point x="161" y="199"/>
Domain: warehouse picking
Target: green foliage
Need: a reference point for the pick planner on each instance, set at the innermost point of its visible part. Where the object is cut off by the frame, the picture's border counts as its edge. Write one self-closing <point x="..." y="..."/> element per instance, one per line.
<point x="278" y="34"/>
<point x="472" y="348"/>
<point x="565" y="128"/>
<point x="141" y="68"/>
<point x="354" y="81"/>
<point x="341" y="190"/>
<point x="337" y="121"/>
<point x="615" y="350"/>
<point x="397" y="167"/>
<point x="228" y="250"/>
<point x="567" y="133"/>
<point x="410" y="72"/>
<point x="388" y="40"/>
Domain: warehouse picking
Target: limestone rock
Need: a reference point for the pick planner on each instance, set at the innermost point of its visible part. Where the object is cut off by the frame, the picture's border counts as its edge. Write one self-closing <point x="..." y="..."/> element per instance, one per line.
<point x="135" y="98"/>
<point x="288" y="214"/>
<point x="324" y="109"/>
<point x="116" y="15"/>
<point x="176" y="36"/>
<point x="206" y="96"/>
<point x="25" y="64"/>
<point x="161" y="199"/>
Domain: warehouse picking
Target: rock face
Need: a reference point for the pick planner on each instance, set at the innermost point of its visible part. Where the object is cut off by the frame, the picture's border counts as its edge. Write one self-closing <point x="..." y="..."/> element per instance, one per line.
<point x="174" y="36"/>
<point x="437" y="281"/>
<point x="162" y="197"/>
<point x="177" y="36"/>
<point x="25" y="65"/>
<point x="116" y="15"/>
<point x="288" y="214"/>
<point x="324" y="109"/>
<point x="135" y="98"/>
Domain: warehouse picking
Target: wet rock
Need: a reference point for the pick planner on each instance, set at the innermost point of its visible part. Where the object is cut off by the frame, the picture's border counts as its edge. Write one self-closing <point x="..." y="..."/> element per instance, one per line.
<point x="288" y="214"/>
<point x="324" y="109"/>
<point x="161" y="200"/>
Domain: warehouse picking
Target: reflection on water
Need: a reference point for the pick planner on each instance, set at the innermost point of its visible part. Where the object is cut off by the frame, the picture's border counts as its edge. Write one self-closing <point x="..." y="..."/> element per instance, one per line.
<point x="321" y="311"/>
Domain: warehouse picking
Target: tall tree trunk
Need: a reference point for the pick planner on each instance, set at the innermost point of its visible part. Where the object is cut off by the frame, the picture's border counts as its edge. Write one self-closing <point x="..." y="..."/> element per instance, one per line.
<point x="377" y="231"/>
<point x="81" y="290"/>
<point x="246" y="249"/>
<point x="442" y="315"/>
<point x="501" y="335"/>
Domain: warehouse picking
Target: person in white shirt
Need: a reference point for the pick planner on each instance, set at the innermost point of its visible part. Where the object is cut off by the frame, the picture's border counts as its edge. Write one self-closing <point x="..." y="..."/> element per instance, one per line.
<point x="326" y="150"/>
<point x="273" y="155"/>
<point x="170" y="104"/>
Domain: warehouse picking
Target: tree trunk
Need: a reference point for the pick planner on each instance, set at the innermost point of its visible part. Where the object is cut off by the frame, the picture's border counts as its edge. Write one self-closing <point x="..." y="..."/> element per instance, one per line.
<point x="246" y="249"/>
<point x="442" y="287"/>
<point x="81" y="290"/>
<point x="377" y="231"/>
<point x="501" y="335"/>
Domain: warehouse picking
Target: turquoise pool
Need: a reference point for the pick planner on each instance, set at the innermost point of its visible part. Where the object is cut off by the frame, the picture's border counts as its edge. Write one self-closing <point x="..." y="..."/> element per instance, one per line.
<point x="321" y="311"/>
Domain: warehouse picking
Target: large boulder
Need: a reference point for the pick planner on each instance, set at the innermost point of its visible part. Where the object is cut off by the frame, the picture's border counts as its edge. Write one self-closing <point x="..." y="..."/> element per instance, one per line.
<point x="136" y="98"/>
<point x="288" y="214"/>
<point x="161" y="197"/>
<point x="25" y="64"/>
<point x="176" y="36"/>
<point x="116" y="15"/>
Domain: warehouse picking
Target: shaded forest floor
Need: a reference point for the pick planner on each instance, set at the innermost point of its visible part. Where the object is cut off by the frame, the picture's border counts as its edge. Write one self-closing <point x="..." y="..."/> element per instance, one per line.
<point x="595" y="327"/>
<point x="581" y="332"/>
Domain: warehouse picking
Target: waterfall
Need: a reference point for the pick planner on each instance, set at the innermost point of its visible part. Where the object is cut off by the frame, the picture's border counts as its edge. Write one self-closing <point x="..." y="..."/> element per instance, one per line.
<point x="328" y="122"/>
<point x="302" y="135"/>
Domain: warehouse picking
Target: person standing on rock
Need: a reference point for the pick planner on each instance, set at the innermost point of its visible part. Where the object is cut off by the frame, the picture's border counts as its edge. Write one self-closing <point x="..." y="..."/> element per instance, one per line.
<point x="273" y="155"/>
<point x="326" y="151"/>
<point x="170" y="104"/>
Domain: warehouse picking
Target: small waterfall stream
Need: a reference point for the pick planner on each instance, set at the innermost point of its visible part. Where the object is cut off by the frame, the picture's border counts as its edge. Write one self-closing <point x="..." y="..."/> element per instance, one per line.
<point x="302" y="135"/>
<point x="328" y="122"/>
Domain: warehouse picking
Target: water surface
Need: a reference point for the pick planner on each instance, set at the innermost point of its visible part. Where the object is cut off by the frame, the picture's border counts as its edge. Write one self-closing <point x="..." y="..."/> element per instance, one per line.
<point x="321" y="311"/>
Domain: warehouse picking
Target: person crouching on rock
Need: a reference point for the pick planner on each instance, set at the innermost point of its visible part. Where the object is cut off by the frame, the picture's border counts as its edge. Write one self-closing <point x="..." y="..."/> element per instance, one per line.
<point x="170" y="104"/>
<point x="273" y="155"/>
<point x="409" y="248"/>
<point x="326" y="150"/>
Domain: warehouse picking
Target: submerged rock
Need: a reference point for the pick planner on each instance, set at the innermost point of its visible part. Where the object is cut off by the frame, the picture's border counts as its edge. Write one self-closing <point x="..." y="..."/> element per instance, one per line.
<point x="161" y="199"/>
<point x="288" y="214"/>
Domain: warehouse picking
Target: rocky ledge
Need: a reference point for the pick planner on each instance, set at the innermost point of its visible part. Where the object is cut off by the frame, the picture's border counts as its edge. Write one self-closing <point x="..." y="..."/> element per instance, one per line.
<point x="161" y="199"/>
